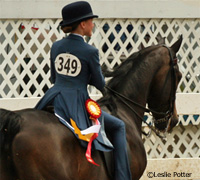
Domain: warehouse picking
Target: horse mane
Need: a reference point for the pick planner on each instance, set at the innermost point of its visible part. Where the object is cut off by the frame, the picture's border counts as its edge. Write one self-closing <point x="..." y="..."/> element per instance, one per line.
<point x="132" y="62"/>
<point x="10" y="124"/>
<point x="120" y="73"/>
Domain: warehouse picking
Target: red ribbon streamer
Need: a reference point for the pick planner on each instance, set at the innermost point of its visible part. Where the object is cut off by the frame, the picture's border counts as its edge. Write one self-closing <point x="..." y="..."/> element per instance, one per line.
<point x="89" y="147"/>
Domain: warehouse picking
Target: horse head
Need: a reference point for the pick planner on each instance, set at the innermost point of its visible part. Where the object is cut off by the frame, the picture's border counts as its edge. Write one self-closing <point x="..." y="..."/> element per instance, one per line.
<point x="161" y="99"/>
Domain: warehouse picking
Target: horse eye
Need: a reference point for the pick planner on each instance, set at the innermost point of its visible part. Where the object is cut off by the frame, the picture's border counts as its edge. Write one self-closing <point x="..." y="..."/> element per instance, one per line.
<point x="175" y="61"/>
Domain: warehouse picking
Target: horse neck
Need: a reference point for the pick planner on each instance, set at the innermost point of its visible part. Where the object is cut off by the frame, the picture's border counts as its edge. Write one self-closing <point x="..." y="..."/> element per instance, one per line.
<point x="135" y="86"/>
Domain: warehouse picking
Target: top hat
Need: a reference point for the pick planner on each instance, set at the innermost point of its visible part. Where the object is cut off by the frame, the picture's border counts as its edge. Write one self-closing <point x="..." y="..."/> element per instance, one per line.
<point x="76" y="12"/>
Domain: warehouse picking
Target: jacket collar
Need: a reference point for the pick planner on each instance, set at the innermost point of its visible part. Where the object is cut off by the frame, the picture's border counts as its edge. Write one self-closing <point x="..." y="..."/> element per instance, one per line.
<point x="75" y="36"/>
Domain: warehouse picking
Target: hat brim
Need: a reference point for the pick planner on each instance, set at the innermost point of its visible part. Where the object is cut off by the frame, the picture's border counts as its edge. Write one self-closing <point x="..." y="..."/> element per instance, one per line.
<point x="67" y="23"/>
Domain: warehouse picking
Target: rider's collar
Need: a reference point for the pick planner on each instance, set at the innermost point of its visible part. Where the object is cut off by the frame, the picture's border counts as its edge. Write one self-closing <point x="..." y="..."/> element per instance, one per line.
<point x="77" y="35"/>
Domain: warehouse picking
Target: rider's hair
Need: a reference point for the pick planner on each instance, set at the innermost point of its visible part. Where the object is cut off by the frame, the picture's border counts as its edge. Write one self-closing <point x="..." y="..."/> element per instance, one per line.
<point x="70" y="28"/>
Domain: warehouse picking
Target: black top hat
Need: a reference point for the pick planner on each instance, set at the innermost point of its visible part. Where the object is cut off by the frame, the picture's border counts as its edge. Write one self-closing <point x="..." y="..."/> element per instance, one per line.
<point x="76" y="12"/>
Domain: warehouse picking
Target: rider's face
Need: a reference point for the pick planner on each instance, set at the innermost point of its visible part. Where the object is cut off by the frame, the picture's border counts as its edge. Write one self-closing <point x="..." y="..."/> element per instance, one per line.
<point x="89" y="25"/>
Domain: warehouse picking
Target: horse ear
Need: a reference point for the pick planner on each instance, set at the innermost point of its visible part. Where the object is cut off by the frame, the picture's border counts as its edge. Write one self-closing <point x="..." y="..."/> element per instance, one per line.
<point x="177" y="44"/>
<point x="160" y="39"/>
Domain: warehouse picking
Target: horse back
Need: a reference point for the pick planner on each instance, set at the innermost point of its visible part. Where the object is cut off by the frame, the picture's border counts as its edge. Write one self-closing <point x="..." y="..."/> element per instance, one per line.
<point x="45" y="149"/>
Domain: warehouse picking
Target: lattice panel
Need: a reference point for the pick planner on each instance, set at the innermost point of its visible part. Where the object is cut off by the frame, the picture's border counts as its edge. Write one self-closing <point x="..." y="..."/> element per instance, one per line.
<point x="184" y="142"/>
<point x="25" y="56"/>
<point x="25" y="46"/>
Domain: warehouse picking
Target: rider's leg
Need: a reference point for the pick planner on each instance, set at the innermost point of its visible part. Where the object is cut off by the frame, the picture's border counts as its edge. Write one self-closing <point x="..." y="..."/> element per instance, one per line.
<point x="116" y="129"/>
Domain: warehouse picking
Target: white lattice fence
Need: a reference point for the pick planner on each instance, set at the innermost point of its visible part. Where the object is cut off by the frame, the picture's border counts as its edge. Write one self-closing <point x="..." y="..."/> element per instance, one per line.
<point x="183" y="142"/>
<point x="25" y="56"/>
<point x="25" y="46"/>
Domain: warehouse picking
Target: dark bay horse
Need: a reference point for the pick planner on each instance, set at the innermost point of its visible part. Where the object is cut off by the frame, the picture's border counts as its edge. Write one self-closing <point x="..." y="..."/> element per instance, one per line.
<point x="36" y="146"/>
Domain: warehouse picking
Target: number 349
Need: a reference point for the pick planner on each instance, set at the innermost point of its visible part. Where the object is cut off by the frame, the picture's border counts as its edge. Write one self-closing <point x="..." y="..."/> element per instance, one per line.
<point x="67" y="64"/>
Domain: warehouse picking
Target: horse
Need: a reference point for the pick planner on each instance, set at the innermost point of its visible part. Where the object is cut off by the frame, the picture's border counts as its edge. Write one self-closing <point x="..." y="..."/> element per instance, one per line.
<point x="36" y="146"/>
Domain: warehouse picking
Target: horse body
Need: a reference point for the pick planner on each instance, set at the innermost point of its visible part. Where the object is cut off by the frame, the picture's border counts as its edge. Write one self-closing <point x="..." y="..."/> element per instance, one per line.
<point x="43" y="149"/>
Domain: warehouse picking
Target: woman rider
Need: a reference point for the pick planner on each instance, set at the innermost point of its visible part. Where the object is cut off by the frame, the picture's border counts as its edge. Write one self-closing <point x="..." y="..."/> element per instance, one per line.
<point x="74" y="65"/>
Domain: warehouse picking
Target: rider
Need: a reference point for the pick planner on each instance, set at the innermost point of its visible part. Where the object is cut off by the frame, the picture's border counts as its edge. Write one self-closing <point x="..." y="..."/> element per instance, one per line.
<point x="80" y="61"/>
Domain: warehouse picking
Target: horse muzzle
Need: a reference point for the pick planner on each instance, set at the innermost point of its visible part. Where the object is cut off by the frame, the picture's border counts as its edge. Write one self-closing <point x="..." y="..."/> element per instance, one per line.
<point x="173" y="122"/>
<point x="167" y="123"/>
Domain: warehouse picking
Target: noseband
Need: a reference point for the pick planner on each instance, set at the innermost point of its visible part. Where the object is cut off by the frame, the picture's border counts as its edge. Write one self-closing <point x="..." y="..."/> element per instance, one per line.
<point x="167" y="116"/>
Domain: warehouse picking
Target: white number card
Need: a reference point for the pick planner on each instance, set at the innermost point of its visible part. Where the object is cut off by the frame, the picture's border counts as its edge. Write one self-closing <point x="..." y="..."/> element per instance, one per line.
<point x="68" y="64"/>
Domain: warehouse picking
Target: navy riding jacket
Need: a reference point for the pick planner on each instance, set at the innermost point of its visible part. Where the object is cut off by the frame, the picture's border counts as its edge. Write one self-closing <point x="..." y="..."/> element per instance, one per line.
<point x="80" y="61"/>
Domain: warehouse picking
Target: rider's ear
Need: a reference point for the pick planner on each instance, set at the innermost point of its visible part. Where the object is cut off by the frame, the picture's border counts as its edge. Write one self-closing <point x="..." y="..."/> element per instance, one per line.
<point x="82" y="24"/>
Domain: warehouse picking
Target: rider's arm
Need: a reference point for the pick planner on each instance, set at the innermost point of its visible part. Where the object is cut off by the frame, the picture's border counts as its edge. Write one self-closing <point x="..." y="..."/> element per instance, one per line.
<point x="52" y="64"/>
<point x="96" y="78"/>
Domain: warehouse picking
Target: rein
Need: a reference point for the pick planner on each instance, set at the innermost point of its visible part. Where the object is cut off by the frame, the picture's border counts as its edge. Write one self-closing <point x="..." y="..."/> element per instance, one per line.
<point x="123" y="98"/>
<point x="167" y="115"/>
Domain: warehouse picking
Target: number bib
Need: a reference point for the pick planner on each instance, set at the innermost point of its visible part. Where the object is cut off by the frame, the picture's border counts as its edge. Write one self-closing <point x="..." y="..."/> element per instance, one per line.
<point x="67" y="64"/>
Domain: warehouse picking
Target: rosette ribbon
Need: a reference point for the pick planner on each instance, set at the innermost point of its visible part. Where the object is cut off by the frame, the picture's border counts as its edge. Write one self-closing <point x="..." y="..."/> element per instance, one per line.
<point x="94" y="111"/>
<point x="91" y="133"/>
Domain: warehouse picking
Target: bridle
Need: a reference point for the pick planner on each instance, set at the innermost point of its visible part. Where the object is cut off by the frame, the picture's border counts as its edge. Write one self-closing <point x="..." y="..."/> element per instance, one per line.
<point x="167" y="116"/>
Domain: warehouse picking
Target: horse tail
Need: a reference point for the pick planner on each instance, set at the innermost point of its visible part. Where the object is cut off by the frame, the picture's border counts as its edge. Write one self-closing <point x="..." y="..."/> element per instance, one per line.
<point x="10" y="123"/>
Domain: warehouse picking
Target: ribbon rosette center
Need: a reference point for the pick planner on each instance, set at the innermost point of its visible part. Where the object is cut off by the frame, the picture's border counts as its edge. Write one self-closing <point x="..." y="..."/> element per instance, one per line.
<point x="93" y="108"/>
